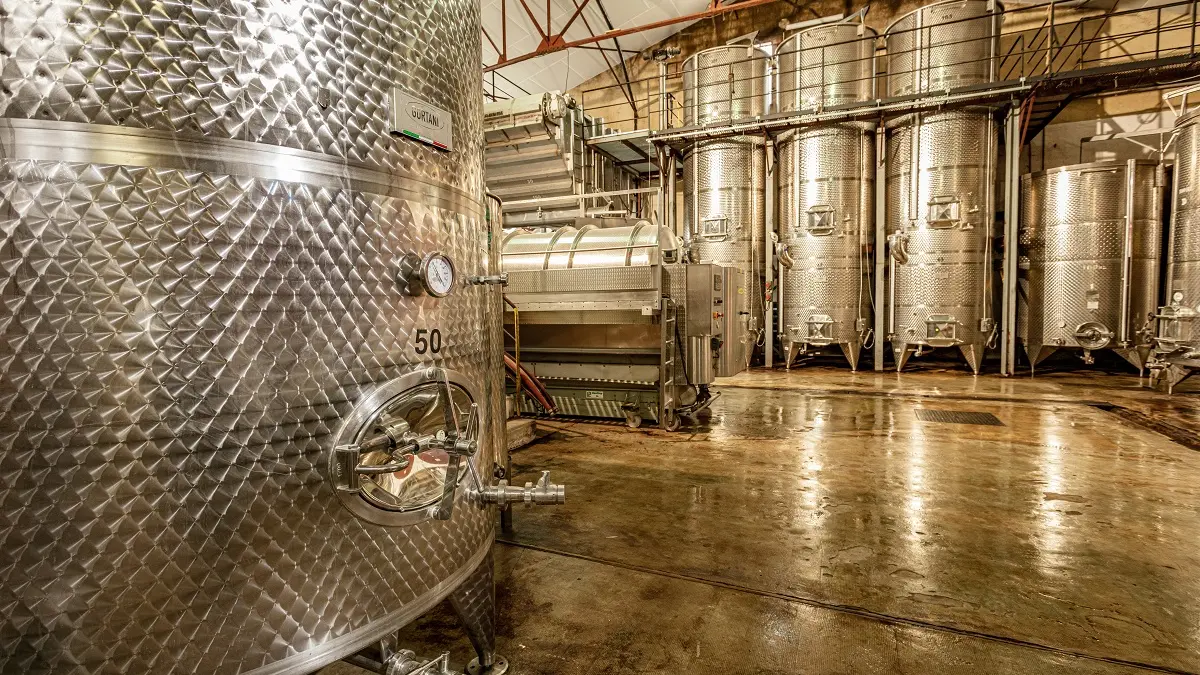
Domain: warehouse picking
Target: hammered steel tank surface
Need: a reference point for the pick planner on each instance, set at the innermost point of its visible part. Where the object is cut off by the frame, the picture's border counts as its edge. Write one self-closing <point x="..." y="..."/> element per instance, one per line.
<point x="1090" y="241"/>
<point x="723" y="84"/>
<point x="941" y="169"/>
<point x="204" y="219"/>
<point x="942" y="46"/>
<point x="826" y="191"/>
<point x="1183" y="264"/>
<point x="1176" y="353"/>
<point x="725" y="180"/>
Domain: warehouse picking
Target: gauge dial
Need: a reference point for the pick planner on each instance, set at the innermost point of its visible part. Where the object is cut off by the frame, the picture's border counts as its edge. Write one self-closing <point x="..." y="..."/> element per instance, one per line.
<point x="437" y="275"/>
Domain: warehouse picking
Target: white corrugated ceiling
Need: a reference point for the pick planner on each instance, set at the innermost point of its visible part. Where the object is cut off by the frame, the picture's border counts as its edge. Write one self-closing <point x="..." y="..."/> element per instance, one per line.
<point x="565" y="69"/>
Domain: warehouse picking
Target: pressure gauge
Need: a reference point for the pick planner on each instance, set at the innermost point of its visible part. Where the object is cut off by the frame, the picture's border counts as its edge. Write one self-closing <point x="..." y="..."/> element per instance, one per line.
<point x="433" y="274"/>
<point x="437" y="275"/>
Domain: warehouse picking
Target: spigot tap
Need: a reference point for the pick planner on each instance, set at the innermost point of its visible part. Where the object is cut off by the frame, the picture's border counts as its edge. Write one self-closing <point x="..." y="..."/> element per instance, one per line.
<point x="544" y="492"/>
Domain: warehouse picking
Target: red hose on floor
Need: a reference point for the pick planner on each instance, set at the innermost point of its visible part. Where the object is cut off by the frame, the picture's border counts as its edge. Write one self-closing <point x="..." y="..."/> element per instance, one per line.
<point x="532" y="385"/>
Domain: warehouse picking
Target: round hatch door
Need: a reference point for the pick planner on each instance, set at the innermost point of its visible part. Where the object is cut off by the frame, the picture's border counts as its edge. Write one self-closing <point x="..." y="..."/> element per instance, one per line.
<point x="399" y="456"/>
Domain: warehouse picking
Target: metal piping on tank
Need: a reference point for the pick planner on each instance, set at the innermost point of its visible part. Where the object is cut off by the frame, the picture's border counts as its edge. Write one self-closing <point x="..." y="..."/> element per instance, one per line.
<point x="503" y="494"/>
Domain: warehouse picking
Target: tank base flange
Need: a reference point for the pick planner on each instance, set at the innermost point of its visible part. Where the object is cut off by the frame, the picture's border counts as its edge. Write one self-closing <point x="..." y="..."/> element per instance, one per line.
<point x="499" y="666"/>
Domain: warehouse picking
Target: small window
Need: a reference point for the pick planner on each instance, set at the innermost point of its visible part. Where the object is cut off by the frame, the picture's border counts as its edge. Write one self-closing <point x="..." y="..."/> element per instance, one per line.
<point x="820" y="220"/>
<point x="714" y="228"/>
<point x="943" y="210"/>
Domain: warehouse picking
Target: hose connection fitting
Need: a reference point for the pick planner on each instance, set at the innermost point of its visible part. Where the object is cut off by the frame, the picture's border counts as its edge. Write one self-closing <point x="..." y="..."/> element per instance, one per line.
<point x="544" y="492"/>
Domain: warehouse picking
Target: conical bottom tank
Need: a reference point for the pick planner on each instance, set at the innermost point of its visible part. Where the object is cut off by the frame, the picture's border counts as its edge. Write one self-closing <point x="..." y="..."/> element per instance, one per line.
<point x="940" y="219"/>
<point x="826" y="217"/>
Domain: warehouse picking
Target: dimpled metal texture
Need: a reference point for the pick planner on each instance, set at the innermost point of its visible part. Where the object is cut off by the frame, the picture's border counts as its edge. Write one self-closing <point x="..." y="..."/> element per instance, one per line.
<point x="942" y="46"/>
<point x="945" y="157"/>
<point x="1072" y="243"/>
<point x="826" y="65"/>
<point x="826" y="186"/>
<point x="1185" y="218"/>
<point x="826" y="214"/>
<point x="201" y="212"/>
<point x="934" y="162"/>
<point x="724" y="84"/>
<point x="725" y="182"/>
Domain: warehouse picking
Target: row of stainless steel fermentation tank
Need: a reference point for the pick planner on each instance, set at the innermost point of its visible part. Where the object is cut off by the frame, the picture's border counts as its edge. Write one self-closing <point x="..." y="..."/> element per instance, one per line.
<point x="939" y="182"/>
<point x="1089" y="234"/>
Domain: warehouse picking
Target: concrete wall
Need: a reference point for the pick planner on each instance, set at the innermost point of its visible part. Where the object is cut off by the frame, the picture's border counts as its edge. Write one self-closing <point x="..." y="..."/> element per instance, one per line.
<point x="1065" y="140"/>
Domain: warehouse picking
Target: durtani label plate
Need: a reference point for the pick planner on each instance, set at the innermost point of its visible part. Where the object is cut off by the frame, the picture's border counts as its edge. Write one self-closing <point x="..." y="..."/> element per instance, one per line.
<point x="421" y="121"/>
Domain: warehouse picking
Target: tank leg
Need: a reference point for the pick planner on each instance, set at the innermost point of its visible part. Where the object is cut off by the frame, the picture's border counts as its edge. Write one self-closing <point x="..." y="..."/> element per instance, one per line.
<point x="1038" y="353"/>
<point x="1137" y="357"/>
<point x="852" y="350"/>
<point x="974" y="356"/>
<point x="475" y="604"/>
<point x="792" y="349"/>
<point x="902" y="353"/>
<point x="1171" y="376"/>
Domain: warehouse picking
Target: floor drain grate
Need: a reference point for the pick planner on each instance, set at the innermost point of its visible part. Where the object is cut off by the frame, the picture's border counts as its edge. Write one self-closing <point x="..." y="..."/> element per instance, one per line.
<point x="958" y="417"/>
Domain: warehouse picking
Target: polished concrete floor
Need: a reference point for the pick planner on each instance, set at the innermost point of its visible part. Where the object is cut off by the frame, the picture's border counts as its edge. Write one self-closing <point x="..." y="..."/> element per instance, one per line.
<point x="816" y="524"/>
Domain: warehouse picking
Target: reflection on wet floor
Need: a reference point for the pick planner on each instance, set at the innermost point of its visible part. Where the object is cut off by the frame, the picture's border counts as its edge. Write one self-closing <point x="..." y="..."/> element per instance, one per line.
<point x="820" y="517"/>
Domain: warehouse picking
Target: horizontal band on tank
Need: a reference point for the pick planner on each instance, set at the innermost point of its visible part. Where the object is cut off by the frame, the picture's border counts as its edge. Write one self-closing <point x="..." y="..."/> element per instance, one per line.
<point x="42" y="140"/>
<point x="1071" y="168"/>
<point x="940" y="167"/>
<point x="345" y="645"/>
<point x="828" y="179"/>
<point x="904" y="122"/>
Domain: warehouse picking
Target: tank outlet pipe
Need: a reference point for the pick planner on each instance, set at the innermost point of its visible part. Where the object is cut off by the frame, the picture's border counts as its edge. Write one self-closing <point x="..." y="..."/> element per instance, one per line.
<point x="785" y="256"/>
<point x="403" y="662"/>
<point x="544" y="493"/>
<point x="769" y="239"/>
<point x="898" y="245"/>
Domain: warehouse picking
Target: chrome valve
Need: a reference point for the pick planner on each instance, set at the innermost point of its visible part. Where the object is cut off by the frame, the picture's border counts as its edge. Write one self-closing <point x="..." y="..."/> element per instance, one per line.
<point x="544" y="492"/>
<point x="494" y="280"/>
<point x="405" y="662"/>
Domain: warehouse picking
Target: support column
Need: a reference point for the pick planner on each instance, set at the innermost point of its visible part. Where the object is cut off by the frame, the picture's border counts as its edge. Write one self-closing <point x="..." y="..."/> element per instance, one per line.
<point x="769" y="258"/>
<point x="1012" y="218"/>
<point x="880" y="245"/>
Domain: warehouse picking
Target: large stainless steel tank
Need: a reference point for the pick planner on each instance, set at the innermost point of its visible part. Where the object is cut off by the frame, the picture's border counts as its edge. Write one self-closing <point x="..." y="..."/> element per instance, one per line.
<point x="826" y="191"/>
<point x="1177" y="345"/>
<point x="941" y="170"/>
<point x="725" y="180"/>
<point x="206" y="211"/>
<point x="1183" y="281"/>
<point x="945" y="45"/>
<point x="640" y="245"/>
<point x="1090" y="241"/>
<point x="723" y="84"/>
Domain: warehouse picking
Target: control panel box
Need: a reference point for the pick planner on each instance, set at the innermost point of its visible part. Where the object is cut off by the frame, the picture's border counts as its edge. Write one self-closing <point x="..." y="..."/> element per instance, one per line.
<point x="716" y="309"/>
